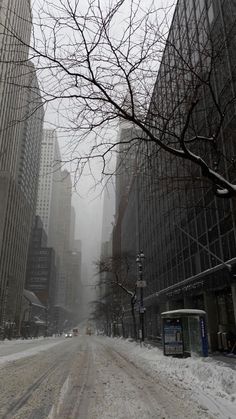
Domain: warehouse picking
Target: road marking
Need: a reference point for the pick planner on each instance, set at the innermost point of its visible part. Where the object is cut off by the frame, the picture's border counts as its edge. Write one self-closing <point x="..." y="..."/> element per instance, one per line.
<point x="54" y="412"/>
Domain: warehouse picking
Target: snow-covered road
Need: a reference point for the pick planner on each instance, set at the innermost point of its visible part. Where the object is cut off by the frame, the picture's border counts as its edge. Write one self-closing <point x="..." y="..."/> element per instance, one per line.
<point x="92" y="377"/>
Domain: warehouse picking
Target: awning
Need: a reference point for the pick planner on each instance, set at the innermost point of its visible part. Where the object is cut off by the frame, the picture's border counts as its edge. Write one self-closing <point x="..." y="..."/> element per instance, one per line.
<point x="33" y="299"/>
<point x="198" y="280"/>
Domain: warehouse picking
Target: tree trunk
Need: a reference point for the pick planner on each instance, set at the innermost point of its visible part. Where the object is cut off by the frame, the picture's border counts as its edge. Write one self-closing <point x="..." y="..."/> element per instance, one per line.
<point x="123" y="327"/>
<point x="134" y="320"/>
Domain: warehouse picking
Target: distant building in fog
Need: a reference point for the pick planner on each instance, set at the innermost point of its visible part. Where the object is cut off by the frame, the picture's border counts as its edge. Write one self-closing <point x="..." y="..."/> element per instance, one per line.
<point x="108" y="214"/>
<point x="54" y="208"/>
<point x="125" y="239"/>
<point x="77" y="245"/>
<point x="74" y="286"/>
<point x="60" y="232"/>
<point x="72" y="227"/>
<point x="49" y="179"/>
<point x="41" y="269"/>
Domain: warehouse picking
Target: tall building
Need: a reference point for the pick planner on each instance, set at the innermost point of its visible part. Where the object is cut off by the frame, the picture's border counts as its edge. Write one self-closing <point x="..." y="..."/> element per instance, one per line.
<point x="49" y="179"/>
<point x="72" y="228"/>
<point x="180" y="221"/>
<point x="54" y="208"/>
<point x="125" y="221"/>
<point x="125" y="244"/>
<point x="73" y="285"/>
<point x="60" y="239"/>
<point x="41" y="270"/>
<point x="14" y="17"/>
<point x="125" y="163"/>
<point x="108" y="216"/>
<point x="73" y="300"/>
<point x="21" y="119"/>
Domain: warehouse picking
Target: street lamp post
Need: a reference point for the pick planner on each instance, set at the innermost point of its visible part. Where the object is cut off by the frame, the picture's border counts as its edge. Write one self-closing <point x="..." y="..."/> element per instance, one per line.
<point x="46" y="320"/>
<point x="141" y="284"/>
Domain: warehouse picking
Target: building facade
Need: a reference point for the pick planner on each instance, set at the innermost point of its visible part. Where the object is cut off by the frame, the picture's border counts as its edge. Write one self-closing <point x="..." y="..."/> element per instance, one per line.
<point x="74" y="292"/>
<point x="126" y="192"/>
<point x="186" y="232"/>
<point x="73" y="286"/>
<point x="60" y="239"/>
<point x="41" y="269"/>
<point x="54" y="208"/>
<point x="15" y="17"/>
<point x="34" y="316"/>
<point x="49" y="181"/>
<point x="21" y="119"/>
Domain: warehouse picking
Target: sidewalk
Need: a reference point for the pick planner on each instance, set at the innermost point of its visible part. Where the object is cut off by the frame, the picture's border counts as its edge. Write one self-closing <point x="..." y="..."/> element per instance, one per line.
<point x="228" y="359"/>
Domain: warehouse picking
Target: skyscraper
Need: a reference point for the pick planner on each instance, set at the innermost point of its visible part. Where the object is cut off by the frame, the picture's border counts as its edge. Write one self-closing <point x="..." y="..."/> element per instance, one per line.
<point x="15" y="17"/>
<point x="49" y="181"/>
<point x="60" y="234"/>
<point x="188" y="235"/>
<point x="108" y="215"/>
<point x="41" y="272"/>
<point x="21" y="118"/>
<point x="125" y="191"/>
<point x="54" y="208"/>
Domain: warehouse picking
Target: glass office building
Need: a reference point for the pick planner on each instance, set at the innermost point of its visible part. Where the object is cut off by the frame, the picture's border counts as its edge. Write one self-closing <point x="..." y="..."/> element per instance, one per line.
<point x="184" y="229"/>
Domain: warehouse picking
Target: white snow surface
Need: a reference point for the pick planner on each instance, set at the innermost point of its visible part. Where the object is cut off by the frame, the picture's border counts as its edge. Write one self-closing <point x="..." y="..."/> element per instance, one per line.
<point x="212" y="383"/>
<point x="22" y="348"/>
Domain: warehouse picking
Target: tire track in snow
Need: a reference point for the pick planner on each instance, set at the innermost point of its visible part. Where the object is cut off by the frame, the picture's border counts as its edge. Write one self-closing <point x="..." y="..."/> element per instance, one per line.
<point x="77" y="399"/>
<point x="164" y="396"/>
<point x="32" y="403"/>
<point x="21" y="401"/>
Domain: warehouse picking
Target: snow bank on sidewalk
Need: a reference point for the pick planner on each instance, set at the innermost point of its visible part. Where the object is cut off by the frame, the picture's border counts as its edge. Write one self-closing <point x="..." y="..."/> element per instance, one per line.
<point x="211" y="382"/>
<point x="23" y="350"/>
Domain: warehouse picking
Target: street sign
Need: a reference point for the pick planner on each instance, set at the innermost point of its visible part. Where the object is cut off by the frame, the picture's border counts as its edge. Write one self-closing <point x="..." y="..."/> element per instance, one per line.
<point x="141" y="284"/>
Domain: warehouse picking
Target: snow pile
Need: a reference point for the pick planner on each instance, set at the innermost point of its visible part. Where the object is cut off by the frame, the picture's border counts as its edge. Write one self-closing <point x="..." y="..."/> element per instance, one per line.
<point x="210" y="382"/>
<point x="18" y="349"/>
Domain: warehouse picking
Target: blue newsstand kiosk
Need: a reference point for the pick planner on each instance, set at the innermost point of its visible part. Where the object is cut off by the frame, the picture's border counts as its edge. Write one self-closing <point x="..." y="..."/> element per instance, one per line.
<point x="184" y="332"/>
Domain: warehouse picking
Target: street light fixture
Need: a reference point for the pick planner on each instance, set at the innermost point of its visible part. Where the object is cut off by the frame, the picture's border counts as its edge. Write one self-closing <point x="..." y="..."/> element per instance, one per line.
<point x="141" y="284"/>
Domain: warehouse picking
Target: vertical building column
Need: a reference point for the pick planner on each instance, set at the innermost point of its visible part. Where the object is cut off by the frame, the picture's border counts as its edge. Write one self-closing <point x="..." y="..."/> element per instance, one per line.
<point x="212" y="316"/>
<point x="168" y="305"/>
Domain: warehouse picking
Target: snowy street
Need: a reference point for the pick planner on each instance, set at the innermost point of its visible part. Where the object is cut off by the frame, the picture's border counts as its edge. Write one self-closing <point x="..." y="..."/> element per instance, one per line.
<point x="93" y="377"/>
